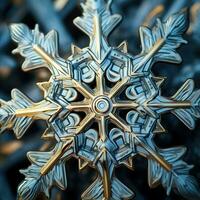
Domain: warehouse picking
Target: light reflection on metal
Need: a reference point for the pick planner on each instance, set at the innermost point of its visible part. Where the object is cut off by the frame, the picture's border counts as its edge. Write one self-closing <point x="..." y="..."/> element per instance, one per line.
<point x="103" y="106"/>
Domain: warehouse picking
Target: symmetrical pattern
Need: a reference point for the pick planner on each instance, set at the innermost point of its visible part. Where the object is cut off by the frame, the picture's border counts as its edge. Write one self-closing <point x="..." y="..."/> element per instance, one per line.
<point x="103" y="106"/>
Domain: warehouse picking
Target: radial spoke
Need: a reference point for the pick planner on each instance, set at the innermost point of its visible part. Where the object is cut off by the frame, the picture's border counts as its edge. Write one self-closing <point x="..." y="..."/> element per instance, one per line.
<point x="102" y="128"/>
<point x="79" y="106"/>
<point x="154" y="155"/>
<point x="118" y="86"/>
<point x="106" y="177"/>
<point x="42" y="110"/>
<point x="49" y="60"/>
<point x="58" y="154"/>
<point x="173" y="104"/>
<point x="84" y="123"/>
<point x="125" y="104"/>
<point x="150" y="54"/>
<point x="85" y="91"/>
<point x="100" y="82"/>
<point x="119" y="123"/>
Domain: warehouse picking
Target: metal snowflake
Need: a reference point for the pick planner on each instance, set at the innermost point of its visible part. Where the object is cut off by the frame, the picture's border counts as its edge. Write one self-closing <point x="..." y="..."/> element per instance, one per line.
<point x="103" y="106"/>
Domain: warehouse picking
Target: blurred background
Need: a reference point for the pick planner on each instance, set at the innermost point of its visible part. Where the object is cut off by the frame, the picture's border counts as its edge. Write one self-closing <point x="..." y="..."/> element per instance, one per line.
<point x="59" y="15"/>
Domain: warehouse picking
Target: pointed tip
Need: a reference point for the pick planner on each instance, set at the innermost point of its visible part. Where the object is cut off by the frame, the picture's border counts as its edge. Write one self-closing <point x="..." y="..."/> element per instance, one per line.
<point x="75" y="49"/>
<point x="123" y="47"/>
<point x="31" y="155"/>
<point x="159" y="128"/>
<point x="44" y="86"/>
<point x="13" y="27"/>
<point x="15" y="51"/>
<point x="82" y="164"/>
<point x="48" y="134"/>
<point x="2" y="102"/>
<point x="89" y="23"/>
<point x="129" y="163"/>
<point x="36" y="28"/>
<point x="15" y="93"/>
<point x="159" y="80"/>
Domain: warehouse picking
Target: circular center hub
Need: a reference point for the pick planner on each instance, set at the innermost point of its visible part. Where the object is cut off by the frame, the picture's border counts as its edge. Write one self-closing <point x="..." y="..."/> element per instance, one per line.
<point x="102" y="105"/>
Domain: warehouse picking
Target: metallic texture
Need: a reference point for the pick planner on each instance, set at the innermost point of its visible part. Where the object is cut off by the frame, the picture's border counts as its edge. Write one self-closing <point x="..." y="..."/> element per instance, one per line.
<point x="103" y="106"/>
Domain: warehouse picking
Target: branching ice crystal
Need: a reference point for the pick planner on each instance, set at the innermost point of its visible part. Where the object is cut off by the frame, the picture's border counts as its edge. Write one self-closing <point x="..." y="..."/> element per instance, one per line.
<point x="103" y="106"/>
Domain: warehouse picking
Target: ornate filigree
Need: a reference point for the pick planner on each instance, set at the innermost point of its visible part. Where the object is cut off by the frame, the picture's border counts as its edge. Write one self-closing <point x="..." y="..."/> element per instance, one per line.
<point x="103" y="106"/>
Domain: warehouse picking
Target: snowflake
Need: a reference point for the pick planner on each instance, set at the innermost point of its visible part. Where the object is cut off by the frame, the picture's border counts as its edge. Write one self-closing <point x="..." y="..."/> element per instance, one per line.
<point x="102" y="106"/>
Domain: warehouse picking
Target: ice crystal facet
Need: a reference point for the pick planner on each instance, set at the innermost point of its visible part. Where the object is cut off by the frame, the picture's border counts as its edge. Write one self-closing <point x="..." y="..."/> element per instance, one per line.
<point x="103" y="106"/>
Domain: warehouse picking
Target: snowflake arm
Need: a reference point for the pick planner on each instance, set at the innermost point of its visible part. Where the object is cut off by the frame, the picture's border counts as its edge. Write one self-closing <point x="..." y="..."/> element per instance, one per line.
<point x="19" y="113"/>
<point x="160" y="43"/>
<point x="7" y="114"/>
<point x="177" y="177"/>
<point x="47" y="169"/>
<point x="97" y="22"/>
<point x="184" y="104"/>
<point x="30" y="45"/>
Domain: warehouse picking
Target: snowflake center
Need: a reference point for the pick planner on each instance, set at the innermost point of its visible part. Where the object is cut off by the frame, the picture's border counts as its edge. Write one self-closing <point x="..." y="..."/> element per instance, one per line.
<point x="102" y="105"/>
